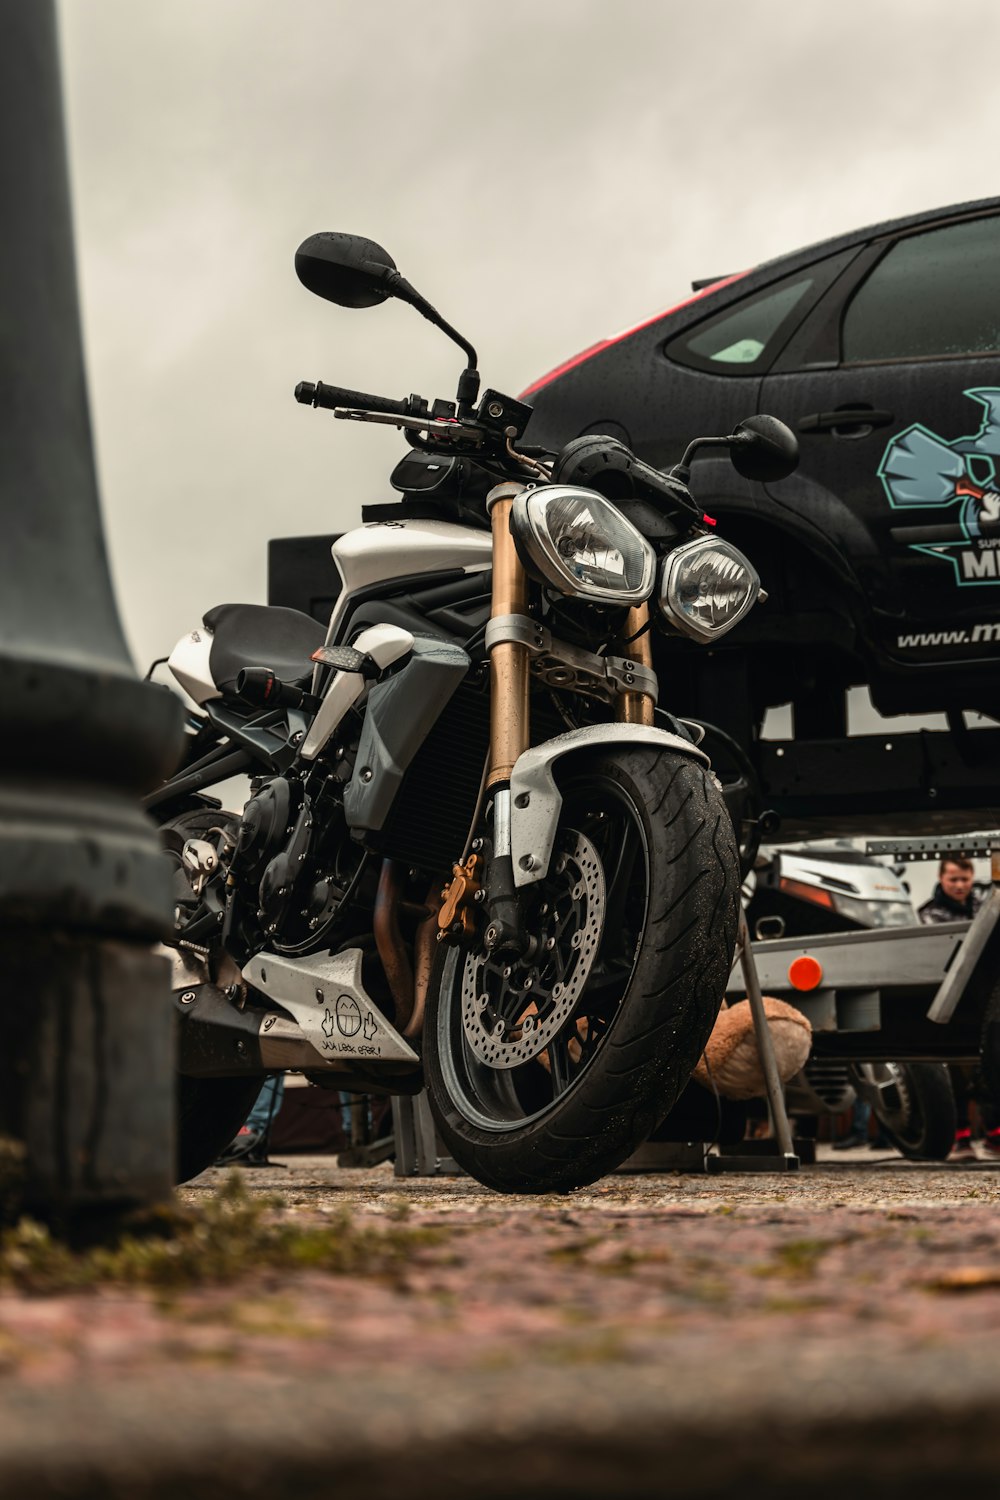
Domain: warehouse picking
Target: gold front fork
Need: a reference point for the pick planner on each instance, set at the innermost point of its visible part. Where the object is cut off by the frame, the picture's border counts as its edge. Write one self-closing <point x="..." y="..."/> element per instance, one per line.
<point x="510" y="728"/>
<point x="637" y="708"/>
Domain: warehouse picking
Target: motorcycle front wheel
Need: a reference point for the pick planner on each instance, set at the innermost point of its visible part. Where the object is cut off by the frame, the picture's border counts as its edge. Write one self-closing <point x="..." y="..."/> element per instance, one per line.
<point x="545" y="1073"/>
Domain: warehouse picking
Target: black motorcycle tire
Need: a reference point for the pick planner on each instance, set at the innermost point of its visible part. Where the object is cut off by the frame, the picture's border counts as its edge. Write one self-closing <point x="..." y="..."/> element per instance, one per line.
<point x="209" y="1111"/>
<point x="676" y="955"/>
<point x="928" y="1132"/>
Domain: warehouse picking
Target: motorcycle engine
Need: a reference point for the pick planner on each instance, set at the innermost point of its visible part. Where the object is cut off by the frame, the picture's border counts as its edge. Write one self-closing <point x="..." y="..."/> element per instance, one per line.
<point x="272" y="846"/>
<point x="283" y="893"/>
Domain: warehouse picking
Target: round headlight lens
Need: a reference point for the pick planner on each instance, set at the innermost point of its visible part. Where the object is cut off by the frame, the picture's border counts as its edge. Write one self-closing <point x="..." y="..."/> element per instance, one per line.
<point x="581" y="544"/>
<point x="707" y="586"/>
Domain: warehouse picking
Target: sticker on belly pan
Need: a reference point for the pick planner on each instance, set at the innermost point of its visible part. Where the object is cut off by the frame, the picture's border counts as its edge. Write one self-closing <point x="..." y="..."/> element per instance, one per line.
<point x="920" y="470"/>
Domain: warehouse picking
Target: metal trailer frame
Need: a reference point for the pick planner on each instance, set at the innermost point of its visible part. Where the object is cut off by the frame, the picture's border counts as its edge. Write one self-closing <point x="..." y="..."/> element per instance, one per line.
<point x="900" y="994"/>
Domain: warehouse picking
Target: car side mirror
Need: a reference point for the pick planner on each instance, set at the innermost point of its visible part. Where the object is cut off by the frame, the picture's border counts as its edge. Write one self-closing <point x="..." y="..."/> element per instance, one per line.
<point x="764" y="449"/>
<point x="347" y="269"/>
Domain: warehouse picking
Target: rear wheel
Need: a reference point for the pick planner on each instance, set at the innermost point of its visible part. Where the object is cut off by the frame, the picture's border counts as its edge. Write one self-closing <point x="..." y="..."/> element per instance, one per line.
<point x="210" y="1111"/>
<point x="915" y="1105"/>
<point x="548" y="1072"/>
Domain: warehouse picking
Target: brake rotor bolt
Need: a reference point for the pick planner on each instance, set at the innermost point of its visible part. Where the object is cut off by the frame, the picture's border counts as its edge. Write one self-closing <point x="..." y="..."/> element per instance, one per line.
<point x="576" y="939"/>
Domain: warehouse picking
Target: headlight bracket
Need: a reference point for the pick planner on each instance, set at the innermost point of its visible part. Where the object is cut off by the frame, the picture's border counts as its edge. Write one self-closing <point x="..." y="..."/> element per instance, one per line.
<point x="558" y="664"/>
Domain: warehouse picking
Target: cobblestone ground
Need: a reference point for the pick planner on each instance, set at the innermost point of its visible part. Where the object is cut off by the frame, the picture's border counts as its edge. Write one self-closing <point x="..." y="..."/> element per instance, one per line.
<point x="860" y="1256"/>
<point x="760" y="1335"/>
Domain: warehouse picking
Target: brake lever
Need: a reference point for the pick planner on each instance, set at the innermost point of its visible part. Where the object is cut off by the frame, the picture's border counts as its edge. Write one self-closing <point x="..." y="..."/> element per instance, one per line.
<point x="447" y="428"/>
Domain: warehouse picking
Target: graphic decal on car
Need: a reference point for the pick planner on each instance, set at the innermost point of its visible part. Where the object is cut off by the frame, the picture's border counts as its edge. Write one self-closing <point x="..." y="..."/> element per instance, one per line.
<point x="920" y="470"/>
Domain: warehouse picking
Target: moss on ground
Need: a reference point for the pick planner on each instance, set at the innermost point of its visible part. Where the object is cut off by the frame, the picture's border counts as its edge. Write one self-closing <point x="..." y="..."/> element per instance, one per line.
<point x="217" y="1240"/>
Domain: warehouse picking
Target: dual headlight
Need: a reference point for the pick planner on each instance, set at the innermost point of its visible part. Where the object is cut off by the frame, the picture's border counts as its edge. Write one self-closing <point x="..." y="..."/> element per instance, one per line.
<point x="583" y="546"/>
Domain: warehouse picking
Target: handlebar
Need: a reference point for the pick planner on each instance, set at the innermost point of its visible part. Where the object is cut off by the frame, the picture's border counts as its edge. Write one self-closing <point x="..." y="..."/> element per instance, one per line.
<point x="332" y="396"/>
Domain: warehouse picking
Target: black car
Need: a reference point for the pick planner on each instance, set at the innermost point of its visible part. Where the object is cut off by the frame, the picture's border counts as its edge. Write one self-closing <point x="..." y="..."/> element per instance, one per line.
<point x="881" y="555"/>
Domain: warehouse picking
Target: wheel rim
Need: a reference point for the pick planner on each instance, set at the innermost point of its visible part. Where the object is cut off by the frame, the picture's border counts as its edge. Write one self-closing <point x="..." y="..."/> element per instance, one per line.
<point x="592" y="907"/>
<point x="889" y="1096"/>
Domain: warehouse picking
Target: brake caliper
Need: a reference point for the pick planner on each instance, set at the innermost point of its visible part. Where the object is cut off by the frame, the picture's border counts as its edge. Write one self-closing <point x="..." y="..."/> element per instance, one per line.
<point x="457" y="898"/>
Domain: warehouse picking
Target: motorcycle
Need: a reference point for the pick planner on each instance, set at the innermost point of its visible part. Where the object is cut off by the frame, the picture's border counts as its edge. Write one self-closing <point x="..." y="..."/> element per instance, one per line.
<point x="477" y="857"/>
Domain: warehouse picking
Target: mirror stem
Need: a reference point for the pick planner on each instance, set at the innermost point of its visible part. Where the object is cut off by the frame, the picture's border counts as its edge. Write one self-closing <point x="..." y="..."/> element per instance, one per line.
<point x="682" y="471"/>
<point x="468" y="385"/>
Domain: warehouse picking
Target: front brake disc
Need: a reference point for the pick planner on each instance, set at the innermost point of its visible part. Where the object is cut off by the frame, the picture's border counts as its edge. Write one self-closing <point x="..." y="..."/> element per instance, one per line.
<point x="510" y="1013"/>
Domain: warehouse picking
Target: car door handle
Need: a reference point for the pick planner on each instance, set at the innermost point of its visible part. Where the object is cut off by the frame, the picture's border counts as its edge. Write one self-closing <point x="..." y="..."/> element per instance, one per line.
<point x="844" y="418"/>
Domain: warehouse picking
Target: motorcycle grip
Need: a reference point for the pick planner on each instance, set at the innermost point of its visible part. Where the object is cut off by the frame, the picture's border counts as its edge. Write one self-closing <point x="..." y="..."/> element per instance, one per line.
<point x="331" y="396"/>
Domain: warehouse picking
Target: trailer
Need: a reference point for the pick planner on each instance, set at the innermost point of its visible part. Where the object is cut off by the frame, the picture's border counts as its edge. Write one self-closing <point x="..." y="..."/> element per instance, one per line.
<point x="921" y="993"/>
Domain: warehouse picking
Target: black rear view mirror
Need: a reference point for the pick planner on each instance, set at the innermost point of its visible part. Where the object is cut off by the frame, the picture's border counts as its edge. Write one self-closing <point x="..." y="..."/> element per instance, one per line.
<point x="347" y="269"/>
<point x="356" y="272"/>
<point x="764" y="449"/>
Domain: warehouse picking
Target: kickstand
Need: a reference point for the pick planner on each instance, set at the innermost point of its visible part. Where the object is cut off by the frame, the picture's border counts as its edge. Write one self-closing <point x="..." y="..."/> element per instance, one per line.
<point x="787" y="1159"/>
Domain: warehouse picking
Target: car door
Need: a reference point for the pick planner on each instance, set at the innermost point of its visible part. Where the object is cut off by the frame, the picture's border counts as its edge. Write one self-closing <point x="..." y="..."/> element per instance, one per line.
<point x="892" y="386"/>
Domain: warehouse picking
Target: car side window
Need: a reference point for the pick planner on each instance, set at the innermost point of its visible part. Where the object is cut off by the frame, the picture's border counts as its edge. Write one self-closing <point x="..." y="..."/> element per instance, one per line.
<point x="931" y="295"/>
<point x="738" y="340"/>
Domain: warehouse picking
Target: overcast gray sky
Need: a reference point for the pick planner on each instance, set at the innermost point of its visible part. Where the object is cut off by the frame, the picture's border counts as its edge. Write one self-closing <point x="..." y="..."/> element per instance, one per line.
<point x="546" y="171"/>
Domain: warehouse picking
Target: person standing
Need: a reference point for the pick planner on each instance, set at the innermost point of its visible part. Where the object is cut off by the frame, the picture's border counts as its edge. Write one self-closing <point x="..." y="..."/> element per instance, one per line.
<point x="955" y="899"/>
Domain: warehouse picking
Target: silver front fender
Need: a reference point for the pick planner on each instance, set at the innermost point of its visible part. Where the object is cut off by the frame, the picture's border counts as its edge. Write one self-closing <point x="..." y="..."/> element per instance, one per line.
<point x="535" y="800"/>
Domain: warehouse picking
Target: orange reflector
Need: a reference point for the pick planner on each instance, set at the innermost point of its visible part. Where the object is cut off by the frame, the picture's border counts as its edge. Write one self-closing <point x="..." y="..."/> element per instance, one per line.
<point x="805" y="972"/>
<point x="803" y="892"/>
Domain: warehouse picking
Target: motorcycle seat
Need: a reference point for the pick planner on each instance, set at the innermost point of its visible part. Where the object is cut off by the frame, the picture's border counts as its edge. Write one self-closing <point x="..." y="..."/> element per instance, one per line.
<point x="261" y="635"/>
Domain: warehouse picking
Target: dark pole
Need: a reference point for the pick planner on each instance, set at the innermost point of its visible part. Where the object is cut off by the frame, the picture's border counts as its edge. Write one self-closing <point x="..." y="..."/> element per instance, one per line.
<point x="86" y="1072"/>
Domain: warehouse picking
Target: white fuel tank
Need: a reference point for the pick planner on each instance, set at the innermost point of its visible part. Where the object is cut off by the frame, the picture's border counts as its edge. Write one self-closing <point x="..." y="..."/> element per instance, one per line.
<point x="383" y="550"/>
<point x="189" y="662"/>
